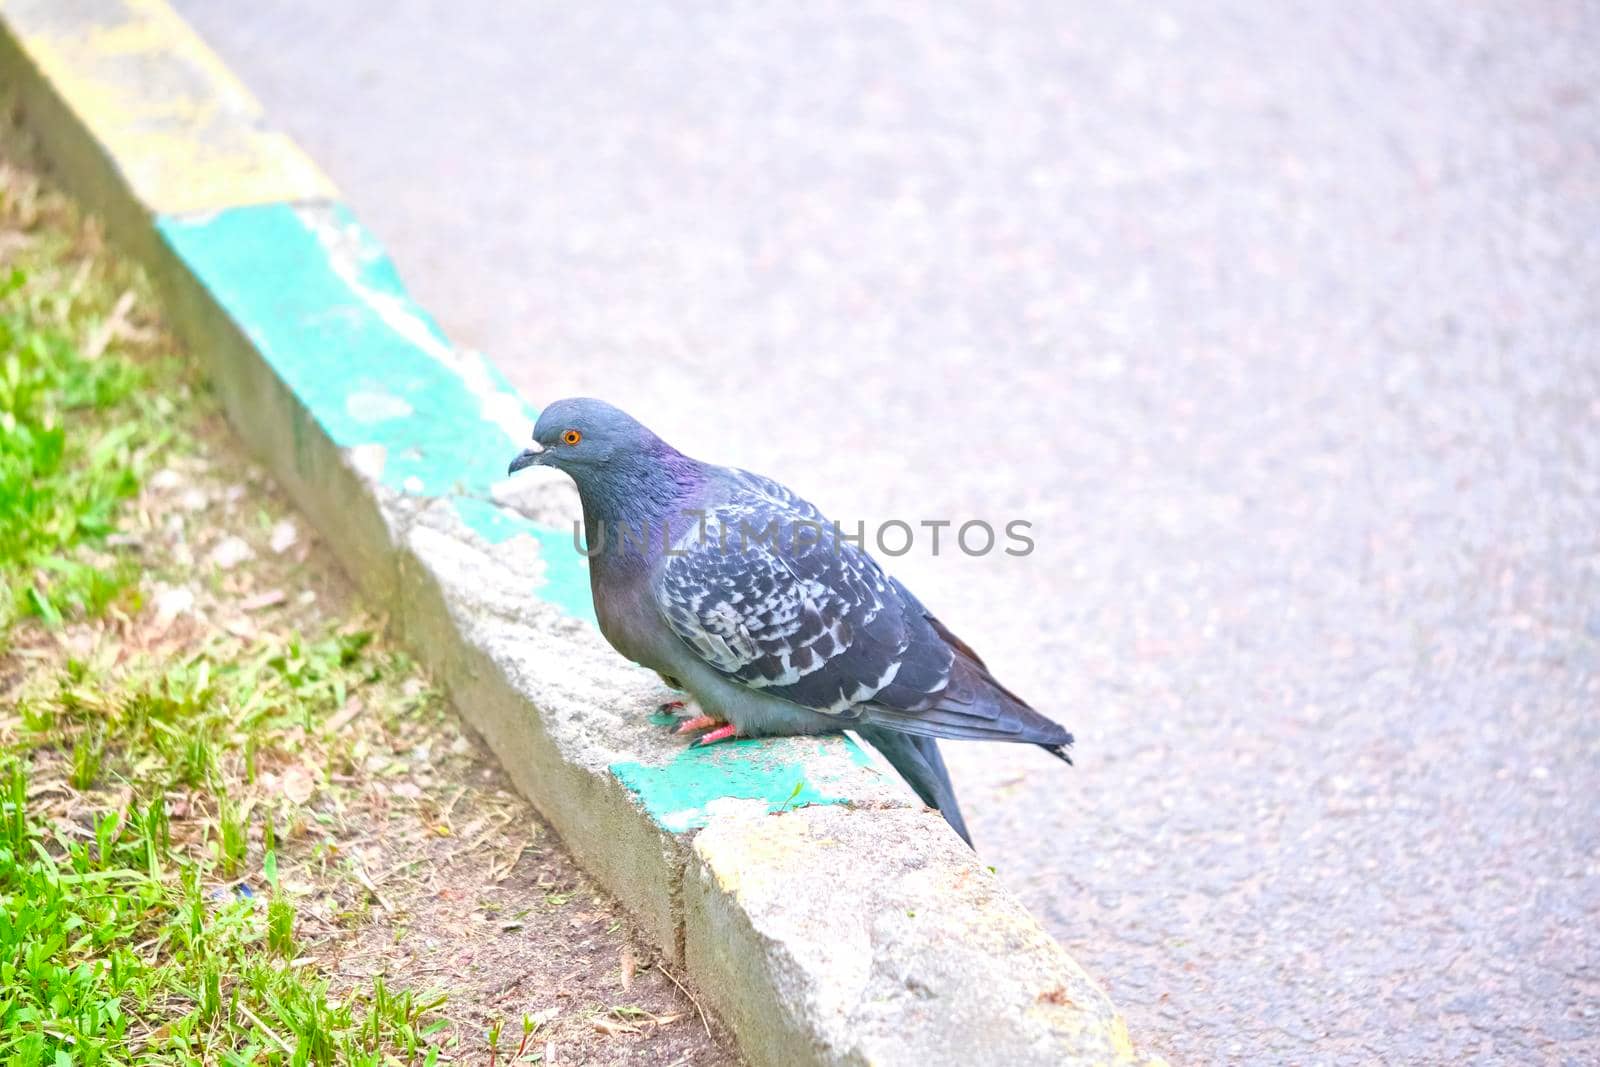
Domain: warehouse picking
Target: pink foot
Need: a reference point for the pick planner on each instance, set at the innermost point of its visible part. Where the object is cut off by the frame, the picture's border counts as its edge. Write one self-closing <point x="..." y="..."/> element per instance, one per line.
<point x="670" y="706"/>
<point x="699" y="722"/>
<point x="721" y="733"/>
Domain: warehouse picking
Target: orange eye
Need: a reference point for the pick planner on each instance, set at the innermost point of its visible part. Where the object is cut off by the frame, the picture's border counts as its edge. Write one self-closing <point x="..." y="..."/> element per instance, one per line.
<point x="571" y="437"/>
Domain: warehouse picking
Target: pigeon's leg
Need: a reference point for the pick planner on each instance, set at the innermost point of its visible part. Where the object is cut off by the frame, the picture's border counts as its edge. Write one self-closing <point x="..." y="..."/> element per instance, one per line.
<point x="686" y="716"/>
<point x="699" y="722"/>
<point x="671" y="707"/>
<point x="686" y="710"/>
<point x="721" y="733"/>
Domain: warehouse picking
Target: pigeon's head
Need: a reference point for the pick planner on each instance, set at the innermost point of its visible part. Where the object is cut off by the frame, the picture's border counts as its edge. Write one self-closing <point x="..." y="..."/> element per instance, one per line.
<point x="581" y="436"/>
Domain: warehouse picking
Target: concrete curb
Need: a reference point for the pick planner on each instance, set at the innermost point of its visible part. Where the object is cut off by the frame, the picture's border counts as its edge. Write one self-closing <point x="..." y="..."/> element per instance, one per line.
<point x="826" y="916"/>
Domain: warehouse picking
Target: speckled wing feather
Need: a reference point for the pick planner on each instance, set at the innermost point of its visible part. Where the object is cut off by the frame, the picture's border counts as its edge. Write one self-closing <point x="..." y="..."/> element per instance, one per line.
<point x="809" y="617"/>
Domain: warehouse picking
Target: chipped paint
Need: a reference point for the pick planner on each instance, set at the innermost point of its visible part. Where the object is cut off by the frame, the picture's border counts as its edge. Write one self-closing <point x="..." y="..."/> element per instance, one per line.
<point x="325" y="307"/>
<point x="679" y="794"/>
<point x="367" y="271"/>
<point x="335" y="327"/>
<point x="181" y="129"/>
<point x="376" y="407"/>
<point x="564" y="572"/>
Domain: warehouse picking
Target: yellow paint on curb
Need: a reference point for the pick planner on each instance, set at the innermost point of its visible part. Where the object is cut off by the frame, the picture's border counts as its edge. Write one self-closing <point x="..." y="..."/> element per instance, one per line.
<point x="183" y="131"/>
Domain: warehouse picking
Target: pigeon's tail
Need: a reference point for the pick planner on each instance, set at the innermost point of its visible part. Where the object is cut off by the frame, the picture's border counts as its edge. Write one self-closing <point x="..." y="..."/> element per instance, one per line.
<point x="920" y="764"/>
<point x="973" y="706"/>
<point x="1060" y="751"/>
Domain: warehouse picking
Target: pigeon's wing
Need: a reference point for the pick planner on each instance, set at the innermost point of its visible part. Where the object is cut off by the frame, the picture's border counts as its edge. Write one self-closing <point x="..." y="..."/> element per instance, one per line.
<point x="769" y="593"/>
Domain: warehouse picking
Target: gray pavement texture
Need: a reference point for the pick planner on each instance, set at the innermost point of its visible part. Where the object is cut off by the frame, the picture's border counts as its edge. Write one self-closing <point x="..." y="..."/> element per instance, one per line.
<point x="1279" y="321"/>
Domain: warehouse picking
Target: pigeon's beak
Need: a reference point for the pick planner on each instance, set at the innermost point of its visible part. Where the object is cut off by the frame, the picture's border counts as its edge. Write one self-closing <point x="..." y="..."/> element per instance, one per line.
<point x="528" y="457"/>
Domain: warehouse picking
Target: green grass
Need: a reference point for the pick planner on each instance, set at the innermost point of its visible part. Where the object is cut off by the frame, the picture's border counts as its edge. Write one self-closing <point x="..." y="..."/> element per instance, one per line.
<point x="121" y="944"/>
<point x="141" y="916"/>
<point x="75" y="436"/>
<point x="113" y="950"/>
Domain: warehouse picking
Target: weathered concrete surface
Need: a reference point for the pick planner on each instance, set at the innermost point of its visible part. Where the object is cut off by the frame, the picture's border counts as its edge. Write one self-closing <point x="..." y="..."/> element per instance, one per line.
<point x="393" y="441"/>
<point x="898" y="961"/>
<point x="1279" y="320"/>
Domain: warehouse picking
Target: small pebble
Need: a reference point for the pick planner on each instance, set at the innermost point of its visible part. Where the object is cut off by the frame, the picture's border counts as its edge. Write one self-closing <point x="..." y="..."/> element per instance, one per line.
<point x="230" y="552"/>
<point x="283" y="537"/>
<point x="170" y="603"/>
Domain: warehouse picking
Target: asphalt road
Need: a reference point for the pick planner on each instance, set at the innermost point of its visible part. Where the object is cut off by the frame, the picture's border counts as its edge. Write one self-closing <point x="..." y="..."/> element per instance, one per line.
<point x="1280" y="322"/>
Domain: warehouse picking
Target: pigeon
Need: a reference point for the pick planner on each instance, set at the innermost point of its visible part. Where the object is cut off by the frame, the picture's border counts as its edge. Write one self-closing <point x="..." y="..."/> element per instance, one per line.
<point x="740" y="594"/>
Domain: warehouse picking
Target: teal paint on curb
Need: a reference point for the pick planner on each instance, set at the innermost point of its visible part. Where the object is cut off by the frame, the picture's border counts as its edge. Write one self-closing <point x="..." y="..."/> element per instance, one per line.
<point x="677" y="793"/>
<point x="325" y="307"/>
<point x="491" y="522"/>
<point x="566" y="576"/>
